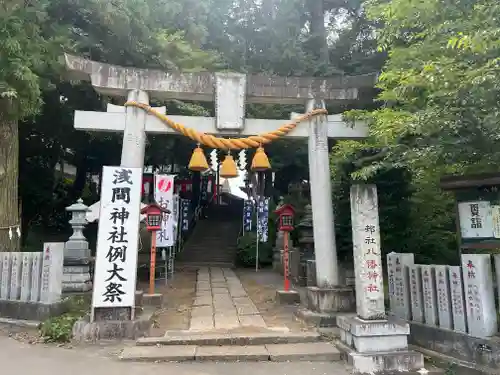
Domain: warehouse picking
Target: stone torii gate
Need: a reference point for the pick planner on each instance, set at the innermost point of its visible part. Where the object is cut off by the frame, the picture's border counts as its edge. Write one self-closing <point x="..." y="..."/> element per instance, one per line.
<point x="231" y="91"/>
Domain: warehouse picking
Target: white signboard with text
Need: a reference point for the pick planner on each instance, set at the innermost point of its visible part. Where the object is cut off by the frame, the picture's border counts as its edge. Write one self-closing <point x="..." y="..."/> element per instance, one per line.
<point x="164" y="196"/>
<point x="117" y="238"/>
<point x="476" y="220"/>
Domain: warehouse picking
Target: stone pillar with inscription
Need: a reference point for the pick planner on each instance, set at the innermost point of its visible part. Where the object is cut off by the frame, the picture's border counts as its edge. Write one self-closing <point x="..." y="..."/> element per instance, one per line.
<point x="416" y="296"/>
<point x="443" y="297"/>
<point x="399" y="284"/>
<point x="76" y="277"/>
<point x="5" y="279"/>
<point x="373" y="342"/>
<point x="429" y="293"/>
<point x="479" y="295"/>
<point x="52" y="273"/>
<point x="457" y="299"/>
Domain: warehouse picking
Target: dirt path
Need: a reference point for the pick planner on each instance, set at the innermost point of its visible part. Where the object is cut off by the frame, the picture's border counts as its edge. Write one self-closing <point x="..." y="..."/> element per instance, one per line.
<point x="178" y="299"/>
<point x="261" y="287"/>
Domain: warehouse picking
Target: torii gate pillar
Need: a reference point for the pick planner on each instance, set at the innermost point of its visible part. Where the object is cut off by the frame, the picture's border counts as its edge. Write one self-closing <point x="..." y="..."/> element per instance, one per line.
<point x="230" y="91"/>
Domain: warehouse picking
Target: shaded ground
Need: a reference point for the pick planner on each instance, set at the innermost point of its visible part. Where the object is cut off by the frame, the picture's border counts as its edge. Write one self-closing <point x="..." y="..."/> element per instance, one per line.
<point x="261" y="287"/>
<point x="178" y="299"/>
<point x="17" y="357"/>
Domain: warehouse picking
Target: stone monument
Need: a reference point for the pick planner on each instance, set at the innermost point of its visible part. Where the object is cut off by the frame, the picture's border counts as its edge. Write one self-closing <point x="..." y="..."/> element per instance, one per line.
<point x="430" y="295"/>
<point x="457" y="299"/>
<point x="76" y="277"/>
<point x="416" y="296"/>
<point x="443" y="297"/>
<point x="479" y="295"/>
<point x="399" y="283"/>
<point x="278" y="252"/>
<point x="306" y="245"/>
<point x="373" y="342"/>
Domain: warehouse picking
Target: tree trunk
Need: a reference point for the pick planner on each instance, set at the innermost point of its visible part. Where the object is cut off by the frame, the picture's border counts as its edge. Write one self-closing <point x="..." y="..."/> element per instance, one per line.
<point x="9" y="171"/>
<point x="80" y="178"/>
<point x="318" y="33"/>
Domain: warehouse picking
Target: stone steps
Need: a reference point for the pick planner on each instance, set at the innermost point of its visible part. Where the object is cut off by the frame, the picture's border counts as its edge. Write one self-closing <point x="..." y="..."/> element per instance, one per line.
<point x="203" y="251"/>
<point x="230" y="338"/>
<point x="309" y="351"/>
<point x="213" y="243"/>
<point x="204" y="263"/>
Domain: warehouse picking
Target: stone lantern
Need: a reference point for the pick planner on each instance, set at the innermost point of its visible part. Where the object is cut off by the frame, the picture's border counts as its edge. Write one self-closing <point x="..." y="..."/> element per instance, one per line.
<point x="76" y="276"/>
<point x="306" y="243"/>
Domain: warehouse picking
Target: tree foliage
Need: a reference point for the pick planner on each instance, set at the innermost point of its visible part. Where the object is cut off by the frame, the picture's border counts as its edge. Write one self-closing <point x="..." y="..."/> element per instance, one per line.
<point x="439" y="109"/>
<point x="285" y="37"/>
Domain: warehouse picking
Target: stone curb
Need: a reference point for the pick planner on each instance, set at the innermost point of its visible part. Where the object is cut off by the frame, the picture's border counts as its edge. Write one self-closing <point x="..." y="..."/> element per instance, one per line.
<point x="206" y="339"/>
<point x="316" y="351"/>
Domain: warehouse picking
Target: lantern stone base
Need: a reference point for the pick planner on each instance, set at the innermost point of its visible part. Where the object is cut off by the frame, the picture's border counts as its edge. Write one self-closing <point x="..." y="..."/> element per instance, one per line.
<point x="153" y="300"/>
<point x="76" y="271"/>
<point x="287" y="297"/>
<point x="76" y="278"/>
<point x="331" y="300"/>
<point x="323" y="305"/>
<point x="378" y="346"/>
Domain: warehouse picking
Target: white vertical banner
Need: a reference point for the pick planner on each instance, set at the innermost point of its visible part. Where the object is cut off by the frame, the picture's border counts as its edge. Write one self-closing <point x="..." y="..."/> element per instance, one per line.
<point x="175" y="216"/>
<point x="117" y="238"/>
<point x="164" y="196"/>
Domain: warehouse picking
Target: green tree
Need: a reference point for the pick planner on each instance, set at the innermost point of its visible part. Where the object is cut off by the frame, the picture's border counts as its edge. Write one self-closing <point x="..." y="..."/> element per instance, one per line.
<point x="439" y="109"/>
<point x="135" y="32"/>
<point x="27" y="49"/>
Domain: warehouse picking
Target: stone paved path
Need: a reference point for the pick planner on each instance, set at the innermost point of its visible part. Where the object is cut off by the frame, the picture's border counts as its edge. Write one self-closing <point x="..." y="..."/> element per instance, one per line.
<point x="221" y="303"/>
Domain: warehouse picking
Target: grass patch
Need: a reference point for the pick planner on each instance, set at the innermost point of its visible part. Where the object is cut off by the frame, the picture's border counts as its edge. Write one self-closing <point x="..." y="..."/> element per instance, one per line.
<point x="59" y="328"/>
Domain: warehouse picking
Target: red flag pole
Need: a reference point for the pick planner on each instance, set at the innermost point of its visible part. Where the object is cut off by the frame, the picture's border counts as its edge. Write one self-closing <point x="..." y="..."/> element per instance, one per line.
<point x="152" y="264"/>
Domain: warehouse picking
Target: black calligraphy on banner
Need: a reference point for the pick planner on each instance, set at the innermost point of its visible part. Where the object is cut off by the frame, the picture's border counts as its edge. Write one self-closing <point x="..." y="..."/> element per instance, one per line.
<point x="262" y="219"/>
<point x="247" y="216"/>
<point x="184" y="217"/>
<point x="118" y="236"/>
<point x="204" y="188"/>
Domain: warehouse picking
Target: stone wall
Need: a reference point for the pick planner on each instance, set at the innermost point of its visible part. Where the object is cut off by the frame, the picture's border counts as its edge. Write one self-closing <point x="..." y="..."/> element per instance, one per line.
<point x="451" y="309"/>
<point x="31" y="283"/>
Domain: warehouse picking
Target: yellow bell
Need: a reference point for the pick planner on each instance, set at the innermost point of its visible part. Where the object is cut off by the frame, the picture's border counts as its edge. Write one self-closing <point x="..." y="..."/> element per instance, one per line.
<point x="228" y="168"/>
<point x="198" y="162"/>
<point x="260" y="162"/>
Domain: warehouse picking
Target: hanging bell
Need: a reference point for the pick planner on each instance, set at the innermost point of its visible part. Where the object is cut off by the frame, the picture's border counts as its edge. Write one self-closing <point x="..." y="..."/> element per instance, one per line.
<point x="260" y="162"/>
<point x="228" y="168"/>
<point x="198" y="162"/>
